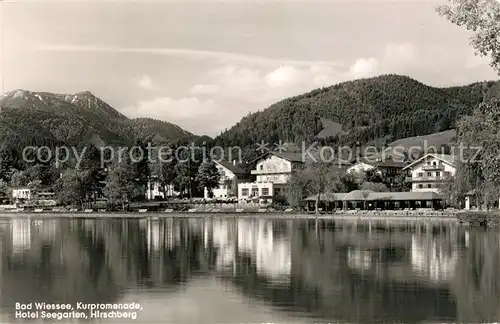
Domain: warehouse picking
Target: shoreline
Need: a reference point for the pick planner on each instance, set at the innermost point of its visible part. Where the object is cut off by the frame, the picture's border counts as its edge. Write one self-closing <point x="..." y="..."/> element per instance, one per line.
<point x="240" y="215"/>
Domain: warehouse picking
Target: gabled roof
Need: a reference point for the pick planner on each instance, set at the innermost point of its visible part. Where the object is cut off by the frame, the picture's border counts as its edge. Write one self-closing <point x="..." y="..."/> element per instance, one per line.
<point x="368" y="195"/>
<point x="423" y="195"/>
<point x="327" y="197"/>
<point x="446" y="158"/>
<point x="293" y="157"/>
<point x="231" y="167"/>
<point x="289" y="156"/>
<point x="357" y="195"/>
<point x="385" y="163"/>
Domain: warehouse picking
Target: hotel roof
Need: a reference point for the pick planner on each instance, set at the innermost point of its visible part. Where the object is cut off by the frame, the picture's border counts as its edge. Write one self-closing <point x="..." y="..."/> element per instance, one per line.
<point x="447" y="158"/>
<point x="368" y="195"/>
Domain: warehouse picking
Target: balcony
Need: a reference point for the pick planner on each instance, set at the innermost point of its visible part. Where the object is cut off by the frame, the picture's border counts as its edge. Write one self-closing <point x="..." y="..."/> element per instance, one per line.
<point x="433" y="167"/>
<point x="426" y="178"/>
<point x="260" y="172"/>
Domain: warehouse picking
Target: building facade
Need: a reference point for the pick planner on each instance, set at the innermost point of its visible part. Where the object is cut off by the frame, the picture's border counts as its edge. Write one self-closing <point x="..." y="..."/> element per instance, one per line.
<point x="272" y="174"/>
<point x="230" y="175"/>
<point x="154" y="190"/>
<point x="388" y="169"/>
<point x="431" y="172"/>
<point x="22" y="193"/>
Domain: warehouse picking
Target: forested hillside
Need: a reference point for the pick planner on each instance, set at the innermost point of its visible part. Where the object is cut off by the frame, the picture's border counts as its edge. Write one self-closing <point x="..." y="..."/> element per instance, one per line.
<point x="377" y="111"/>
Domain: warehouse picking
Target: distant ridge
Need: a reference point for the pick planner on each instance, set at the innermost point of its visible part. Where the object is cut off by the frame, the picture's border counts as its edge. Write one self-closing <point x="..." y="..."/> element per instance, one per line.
<point x="75" y="119"/>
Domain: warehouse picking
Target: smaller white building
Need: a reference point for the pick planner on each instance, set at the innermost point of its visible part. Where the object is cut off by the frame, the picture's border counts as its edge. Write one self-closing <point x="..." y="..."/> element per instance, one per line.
<point x="230" y="175"/>
<point x="387" y="168"/>
<point x="431" y="171"/>
<point x="22" y="193"/>
<point x="154" y="190"/>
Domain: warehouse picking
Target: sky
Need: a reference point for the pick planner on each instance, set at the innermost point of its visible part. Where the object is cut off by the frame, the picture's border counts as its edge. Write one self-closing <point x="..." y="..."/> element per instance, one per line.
<point x="205" y="64"/>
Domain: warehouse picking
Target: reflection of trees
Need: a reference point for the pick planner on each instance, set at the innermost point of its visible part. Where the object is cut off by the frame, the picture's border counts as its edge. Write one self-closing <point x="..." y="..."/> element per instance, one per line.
<point x="338" y="271"/>
<point x="324" y="285"/>
<point x="54" y="269"/>
<point x="477" y="282"/>
<point x="92" y="260"/>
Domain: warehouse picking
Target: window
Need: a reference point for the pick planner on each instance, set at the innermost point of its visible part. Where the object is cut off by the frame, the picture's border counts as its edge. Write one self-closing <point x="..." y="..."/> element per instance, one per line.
<point x="438" y="174"/>
<point x="434" y="163"/>
<point x="429" y="174"/>
<point x="262" y="167"/>
<point x="265" y="191"/>
<point x="244" y="192"/>
<point x="429" y="185"/>
<point x="255" y="192"/>
<point x="420" y="174"/>
<point x="420" y="186"/>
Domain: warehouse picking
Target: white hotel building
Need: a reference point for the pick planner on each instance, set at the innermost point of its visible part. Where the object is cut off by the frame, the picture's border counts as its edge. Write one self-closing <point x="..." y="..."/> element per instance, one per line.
<point x="273" y="172"/>
<point x="230" y="175"/>
<point x="431" y="171"/>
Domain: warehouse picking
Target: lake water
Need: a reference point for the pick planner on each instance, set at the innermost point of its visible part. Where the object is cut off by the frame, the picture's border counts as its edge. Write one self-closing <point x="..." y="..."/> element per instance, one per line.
<point x="227" y="270"/>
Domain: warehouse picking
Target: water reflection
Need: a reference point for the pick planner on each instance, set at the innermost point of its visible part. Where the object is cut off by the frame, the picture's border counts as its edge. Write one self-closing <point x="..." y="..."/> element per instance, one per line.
<point x="254" y="270"/>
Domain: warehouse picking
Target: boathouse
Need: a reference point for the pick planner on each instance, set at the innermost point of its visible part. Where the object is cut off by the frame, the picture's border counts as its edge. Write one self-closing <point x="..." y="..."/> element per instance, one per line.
<point x="370" y="200"/>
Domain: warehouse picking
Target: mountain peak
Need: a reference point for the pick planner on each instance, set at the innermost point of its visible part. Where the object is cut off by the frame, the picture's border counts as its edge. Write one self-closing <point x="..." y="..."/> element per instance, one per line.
<point x="16" y="93"/>
<point x="84" y="93"/>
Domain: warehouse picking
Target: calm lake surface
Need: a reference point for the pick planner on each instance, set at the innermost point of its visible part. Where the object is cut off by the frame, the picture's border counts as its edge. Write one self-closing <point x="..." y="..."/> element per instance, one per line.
<point x="227" y="270"/>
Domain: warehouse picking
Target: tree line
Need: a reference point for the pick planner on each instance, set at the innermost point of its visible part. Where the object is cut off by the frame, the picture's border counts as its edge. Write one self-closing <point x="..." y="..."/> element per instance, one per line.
<point x="121" y="181"/>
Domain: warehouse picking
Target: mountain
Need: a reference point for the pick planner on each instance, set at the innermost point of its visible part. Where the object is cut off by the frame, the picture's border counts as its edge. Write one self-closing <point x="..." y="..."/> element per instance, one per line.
<point x="73" y="119"/>
<point x="373" y="111"/>
<point x="162" y="131"/>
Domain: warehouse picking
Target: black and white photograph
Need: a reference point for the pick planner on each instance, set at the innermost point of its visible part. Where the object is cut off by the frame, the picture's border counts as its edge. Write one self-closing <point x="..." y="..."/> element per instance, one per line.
<point x="249" y="161"/>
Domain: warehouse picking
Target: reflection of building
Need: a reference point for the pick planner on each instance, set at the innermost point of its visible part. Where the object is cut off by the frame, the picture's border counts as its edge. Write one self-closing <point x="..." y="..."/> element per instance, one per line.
<point x="153" y="236"/>
<point x="431" y="171"/>
<point x="21" y="234"/>
<point x="224" y="241"/>
<point x="429" y="258"/>
<point x="357" y="259"/>
<point x="272" y="255"/>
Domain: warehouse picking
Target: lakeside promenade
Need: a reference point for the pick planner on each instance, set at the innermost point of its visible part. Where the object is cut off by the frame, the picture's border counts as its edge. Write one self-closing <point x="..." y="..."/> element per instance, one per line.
<point x="144" y="214"/>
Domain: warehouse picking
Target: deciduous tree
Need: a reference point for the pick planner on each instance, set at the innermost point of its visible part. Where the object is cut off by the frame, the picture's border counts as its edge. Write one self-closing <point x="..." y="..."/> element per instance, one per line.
<point x="208" y="176"/>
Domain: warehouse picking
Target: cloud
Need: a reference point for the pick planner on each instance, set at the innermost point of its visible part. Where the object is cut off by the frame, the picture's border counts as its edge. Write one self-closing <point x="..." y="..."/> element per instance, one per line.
<point x="267" y="84"/>
<point x="364" y="67"/>
<point x="191" y="113"/>
<point x="169" y="108"/>
<point x="204" y="89"/>
<point x="184" y="52"/>
<point x="146" y="83"/>
<point x="283" y="76"/>
<point x="223" y="94"/>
